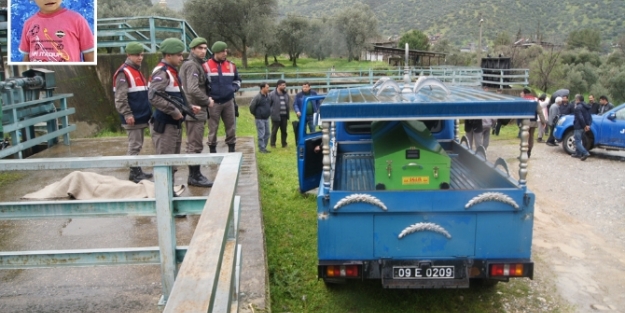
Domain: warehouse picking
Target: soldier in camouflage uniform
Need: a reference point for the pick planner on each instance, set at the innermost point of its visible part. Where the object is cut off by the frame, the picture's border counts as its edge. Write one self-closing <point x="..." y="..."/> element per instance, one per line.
<point x="165" y="126"/>
<point x="131" y="101"/>
<point x="194" y="82"/>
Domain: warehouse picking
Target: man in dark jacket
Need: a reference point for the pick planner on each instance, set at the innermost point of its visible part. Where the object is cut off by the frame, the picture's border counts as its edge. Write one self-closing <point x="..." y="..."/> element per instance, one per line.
<point x="280" y="102"/>
<point x="306" y="113"/>
<point x="566" y="108"/>
<point x="261" y="109"/>
<point x="224" y="82"/>
<point x="594" y="106"/>
<point x="605" y="106"/>
<point x="581" y="125"/>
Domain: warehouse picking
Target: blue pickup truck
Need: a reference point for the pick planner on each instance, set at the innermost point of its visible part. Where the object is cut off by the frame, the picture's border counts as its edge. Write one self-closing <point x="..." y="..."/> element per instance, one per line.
<point x="607" y="131"/>
<point x="401" y="199"/>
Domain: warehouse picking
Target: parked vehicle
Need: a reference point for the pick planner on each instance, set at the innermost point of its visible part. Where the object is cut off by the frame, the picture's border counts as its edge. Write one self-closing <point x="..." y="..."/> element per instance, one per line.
<point x="402" y="200"/>
<point x="607" y="131"/>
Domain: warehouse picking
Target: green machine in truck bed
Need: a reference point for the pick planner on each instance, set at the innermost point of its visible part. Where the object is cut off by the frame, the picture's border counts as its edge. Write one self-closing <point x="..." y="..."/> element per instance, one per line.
<point x="408" y="157"/>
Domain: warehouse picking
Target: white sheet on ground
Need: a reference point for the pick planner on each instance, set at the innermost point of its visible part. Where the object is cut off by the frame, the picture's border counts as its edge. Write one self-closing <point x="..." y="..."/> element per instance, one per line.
<point x="87" y="185"/>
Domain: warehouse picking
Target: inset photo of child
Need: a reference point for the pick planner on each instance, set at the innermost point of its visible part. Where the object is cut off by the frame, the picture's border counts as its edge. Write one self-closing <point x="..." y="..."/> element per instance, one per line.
<point x="58" y="31"/>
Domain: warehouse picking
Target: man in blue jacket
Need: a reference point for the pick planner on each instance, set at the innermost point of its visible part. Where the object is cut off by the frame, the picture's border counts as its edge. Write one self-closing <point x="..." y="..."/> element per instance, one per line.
<point x="581" y="125"/>
<point x="308" y="112"/>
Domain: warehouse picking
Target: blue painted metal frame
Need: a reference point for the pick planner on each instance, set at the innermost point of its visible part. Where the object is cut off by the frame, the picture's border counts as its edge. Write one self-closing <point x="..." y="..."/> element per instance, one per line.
<point x="164" y="206"/>
<point x="150" y="36"/>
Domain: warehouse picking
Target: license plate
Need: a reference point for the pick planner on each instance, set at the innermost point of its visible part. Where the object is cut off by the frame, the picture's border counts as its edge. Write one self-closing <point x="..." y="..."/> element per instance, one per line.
<point x="432" y="272"/>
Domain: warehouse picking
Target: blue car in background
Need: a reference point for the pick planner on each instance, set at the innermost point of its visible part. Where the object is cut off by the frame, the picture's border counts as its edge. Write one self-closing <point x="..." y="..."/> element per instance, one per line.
<point x="607" y="131"/>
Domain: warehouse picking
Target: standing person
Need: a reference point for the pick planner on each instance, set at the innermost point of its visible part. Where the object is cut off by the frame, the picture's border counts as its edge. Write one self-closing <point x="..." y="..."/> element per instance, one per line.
<point x="581" y="124"/>
<point x="261" y="109"/>
<point x="298" y="106"/>
<point x="605" y="105"/>
<point x="534" y="123"/>
<point x="224" y="83"/>
<point x="487" y="124"/>
<point x="165" y="125"/>
<point x="474" y="132"/>
<point x="566" y="108"/>
<point x="280" y="102"/>
<point x="542" y="129"/>
<point x="594" y="106"/>
<point x="131" y="101"/>
<point x="554" y="115"/>
<point x="194" y="82"/>
<point x="68" y="39"/>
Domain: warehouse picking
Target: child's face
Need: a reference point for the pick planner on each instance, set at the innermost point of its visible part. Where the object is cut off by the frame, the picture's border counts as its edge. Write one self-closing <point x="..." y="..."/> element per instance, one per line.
<point x="48" y="6"/>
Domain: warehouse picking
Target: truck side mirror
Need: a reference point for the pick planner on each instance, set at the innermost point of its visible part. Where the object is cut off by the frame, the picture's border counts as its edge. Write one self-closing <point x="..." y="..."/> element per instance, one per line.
<point x="612" y="116"/>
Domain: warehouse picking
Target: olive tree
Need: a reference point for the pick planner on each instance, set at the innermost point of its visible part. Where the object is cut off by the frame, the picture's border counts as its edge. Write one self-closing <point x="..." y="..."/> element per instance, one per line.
<point x="356" y="24"/>
<point x="292" y="33"/>
<point x="233" y="21"/>
<point x="415" y="39"/>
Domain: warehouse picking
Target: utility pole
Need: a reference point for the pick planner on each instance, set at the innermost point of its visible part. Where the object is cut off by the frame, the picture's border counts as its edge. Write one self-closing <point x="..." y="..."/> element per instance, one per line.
<point x="479" y="46"/>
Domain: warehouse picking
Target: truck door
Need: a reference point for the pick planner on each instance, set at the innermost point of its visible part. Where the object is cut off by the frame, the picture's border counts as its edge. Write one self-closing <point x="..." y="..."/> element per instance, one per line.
<point x="309" y="152"/>
<point x="617" y="129"/>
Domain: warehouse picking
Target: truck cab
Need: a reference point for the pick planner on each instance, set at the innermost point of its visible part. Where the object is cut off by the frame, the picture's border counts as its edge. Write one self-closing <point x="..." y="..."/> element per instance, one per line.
<point x="403" y="200"/>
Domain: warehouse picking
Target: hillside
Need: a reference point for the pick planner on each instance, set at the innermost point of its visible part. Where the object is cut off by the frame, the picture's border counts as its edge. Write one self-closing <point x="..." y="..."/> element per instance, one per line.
<point x="458" y="20"/>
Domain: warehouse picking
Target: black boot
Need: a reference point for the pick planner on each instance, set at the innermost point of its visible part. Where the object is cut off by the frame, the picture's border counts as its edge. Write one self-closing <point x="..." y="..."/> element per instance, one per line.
<point x="137" y="175"/>
<point x="213" y="149"/>
<point x="196" y="178"/>
<point x="230" y="147"/>
<point x="146" y="175"/>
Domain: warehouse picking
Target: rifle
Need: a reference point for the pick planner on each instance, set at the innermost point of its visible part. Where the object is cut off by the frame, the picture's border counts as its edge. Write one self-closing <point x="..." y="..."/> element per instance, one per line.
<point x="184" y="109"/>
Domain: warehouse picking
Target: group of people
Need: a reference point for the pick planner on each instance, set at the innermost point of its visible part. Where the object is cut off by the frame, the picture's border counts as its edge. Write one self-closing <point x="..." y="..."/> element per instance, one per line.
<point x="545" y="120"/>
<point x="276" y="105"/>
<point x="192" y="91"/>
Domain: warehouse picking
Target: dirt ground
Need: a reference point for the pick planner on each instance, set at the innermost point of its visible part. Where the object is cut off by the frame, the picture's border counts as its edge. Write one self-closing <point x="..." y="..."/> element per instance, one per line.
<point x="579" y="237"/>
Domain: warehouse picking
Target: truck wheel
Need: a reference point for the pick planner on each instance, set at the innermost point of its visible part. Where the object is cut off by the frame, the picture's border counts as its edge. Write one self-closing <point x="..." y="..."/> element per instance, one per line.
<point x="568" y="142"/>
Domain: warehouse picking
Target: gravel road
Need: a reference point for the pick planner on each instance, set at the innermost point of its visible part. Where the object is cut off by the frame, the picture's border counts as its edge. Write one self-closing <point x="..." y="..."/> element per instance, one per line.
<point x="579" y="238"/>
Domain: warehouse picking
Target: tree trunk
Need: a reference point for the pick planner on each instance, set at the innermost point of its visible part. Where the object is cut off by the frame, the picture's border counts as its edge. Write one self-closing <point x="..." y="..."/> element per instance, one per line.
<point x="244" y="55"/>
<point x="266" y="59"/>
<point x="275" y="59"/>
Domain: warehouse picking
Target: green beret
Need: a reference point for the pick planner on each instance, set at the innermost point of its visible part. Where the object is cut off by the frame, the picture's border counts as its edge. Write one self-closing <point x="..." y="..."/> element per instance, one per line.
<point x="172" y="46"/>
<point x="219" y="46"/>
<point x="197" y="41"/>
<point x="134" y="48"/>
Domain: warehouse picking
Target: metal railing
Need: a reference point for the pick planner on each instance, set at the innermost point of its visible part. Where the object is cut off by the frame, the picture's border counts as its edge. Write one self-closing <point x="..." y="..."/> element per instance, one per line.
<point x="467" y="76"/>
<point x="210" y="261"/>
<point x="150" y="31"/>
<point x="20" y="117"/>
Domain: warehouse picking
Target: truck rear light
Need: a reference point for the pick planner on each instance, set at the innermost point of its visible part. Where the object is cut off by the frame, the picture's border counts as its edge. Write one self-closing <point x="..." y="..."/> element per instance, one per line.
<point x="507" y="270"/>
<point x="342" y="271"/>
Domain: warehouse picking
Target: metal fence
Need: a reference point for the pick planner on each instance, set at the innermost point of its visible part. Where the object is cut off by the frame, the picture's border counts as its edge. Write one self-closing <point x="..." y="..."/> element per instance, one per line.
<point x="330" y="79"/>
<point x="150" y="31"/>
<point x="210" y="264"/>
<point x="30" y="114"/>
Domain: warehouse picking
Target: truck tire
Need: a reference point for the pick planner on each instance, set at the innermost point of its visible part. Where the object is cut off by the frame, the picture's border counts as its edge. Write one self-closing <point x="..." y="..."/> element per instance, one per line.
<point x="568" y="141"/>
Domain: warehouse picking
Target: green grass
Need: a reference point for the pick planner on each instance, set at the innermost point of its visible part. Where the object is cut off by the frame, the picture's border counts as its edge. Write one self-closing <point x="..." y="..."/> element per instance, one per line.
<point x="307" y="64"/>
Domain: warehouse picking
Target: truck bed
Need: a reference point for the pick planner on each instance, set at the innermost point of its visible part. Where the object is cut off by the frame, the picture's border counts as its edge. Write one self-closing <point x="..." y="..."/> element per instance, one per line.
<point x="355" y="171"/>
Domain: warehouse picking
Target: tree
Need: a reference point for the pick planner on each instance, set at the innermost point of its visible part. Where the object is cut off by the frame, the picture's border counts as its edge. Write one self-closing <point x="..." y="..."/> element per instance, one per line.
<point x="293" y="32"/>
<point x="546" y="70"/>
<point x="415" y="39"/>
<point x="233" y="21"/>
<point x="319" y="43"/>
<point x="503" y="39"/>
<point x="356" y="24"/>
<point x="621" y="42"/>
<point x="584" y="38"/>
